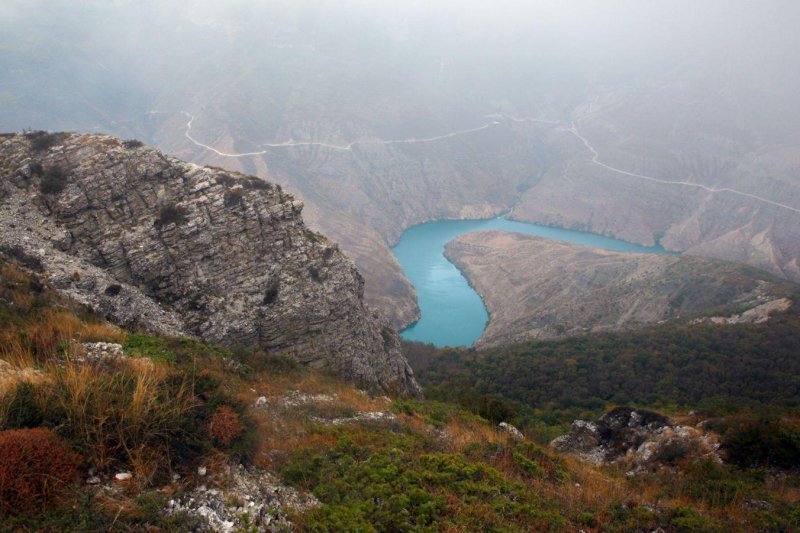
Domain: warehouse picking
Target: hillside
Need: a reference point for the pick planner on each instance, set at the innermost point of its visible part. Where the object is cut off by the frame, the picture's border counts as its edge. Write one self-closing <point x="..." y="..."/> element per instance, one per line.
<point x="102" y="429"/>
<point x="173" y="248"/>
<point x="537" y="288"/>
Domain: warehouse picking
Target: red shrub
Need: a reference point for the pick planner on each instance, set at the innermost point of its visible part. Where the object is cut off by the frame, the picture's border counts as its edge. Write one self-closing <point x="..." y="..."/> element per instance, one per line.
<point x="224" y="425"/>
<point x="35" y="466"/>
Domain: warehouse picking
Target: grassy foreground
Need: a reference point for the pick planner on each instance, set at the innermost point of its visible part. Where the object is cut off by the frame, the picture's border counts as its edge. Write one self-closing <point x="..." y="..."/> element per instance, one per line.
<point x="169" y="406"/>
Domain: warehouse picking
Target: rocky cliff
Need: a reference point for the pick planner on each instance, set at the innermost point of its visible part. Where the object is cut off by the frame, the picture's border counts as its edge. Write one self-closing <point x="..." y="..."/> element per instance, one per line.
<point x="175" y="248"/>
<point x="538" y="288"/>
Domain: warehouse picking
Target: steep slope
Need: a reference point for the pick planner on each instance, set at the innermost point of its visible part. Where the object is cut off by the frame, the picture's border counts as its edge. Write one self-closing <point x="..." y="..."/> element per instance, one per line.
<point x="173" y="248"/>
<point x="537" y="288"/>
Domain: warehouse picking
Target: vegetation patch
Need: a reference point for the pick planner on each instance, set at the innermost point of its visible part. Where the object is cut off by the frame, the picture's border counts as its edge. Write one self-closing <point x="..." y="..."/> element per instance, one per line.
<point x="132" y="144"/>
<point x="234" y="198"/>
<point x="171" y="214"/>
<point x="43" y="140"/>
<point x="54" y="180"/>
<point x="36" y="467"/>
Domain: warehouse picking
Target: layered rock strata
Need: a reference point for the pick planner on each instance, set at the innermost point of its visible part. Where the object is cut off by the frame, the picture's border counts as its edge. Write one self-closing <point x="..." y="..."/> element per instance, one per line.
<point x="175" y="248"/>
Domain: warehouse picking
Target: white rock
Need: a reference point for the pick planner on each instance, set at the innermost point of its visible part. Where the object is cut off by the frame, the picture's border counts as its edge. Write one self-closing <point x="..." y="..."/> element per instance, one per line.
<point x="123" y="476"/>
<point x="202" y="471"/>
<point x="511" y="430"/>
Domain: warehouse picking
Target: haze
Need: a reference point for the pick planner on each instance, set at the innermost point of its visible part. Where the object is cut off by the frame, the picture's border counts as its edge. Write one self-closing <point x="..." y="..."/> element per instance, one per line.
<point x="653" y="122"/>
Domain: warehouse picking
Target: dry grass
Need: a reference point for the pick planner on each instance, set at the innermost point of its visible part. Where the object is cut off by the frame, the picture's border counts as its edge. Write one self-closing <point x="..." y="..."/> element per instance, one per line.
<point x="462" y="434"/>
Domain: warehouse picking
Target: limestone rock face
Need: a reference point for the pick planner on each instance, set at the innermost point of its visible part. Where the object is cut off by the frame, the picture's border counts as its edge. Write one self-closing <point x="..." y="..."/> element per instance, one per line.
<point x="191" y="250"/>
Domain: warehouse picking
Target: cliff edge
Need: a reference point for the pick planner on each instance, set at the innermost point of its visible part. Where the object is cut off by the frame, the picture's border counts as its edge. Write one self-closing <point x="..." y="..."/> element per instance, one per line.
<point x="174" y="248"/>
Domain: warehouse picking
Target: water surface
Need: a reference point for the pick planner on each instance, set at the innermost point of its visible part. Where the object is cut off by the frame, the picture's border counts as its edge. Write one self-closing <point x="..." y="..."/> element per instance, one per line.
<point x="452" y="313"/>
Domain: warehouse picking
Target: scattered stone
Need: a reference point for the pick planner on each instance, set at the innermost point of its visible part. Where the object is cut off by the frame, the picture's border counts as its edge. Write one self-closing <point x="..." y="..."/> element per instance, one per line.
<point x="251" y="499"/>
<point x="511" y="430"/>
<point x="94" y="480"/>
<point x="261" y="401"/>
<point x="297" y="398"/>
<point x="202" y="471"/>
<point x="637" y="438"/>
<point x="761" y="505"/>
<point x="123" y="476"/>
<point x="100" y="352"/>
<point x="370" y="416"/>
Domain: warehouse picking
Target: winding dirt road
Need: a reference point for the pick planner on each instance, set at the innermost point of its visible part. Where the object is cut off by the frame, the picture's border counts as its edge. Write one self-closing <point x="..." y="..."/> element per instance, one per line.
<point x="346" y="147"/>
<point x="573" y="129"/>
<point x="596" y="160"/>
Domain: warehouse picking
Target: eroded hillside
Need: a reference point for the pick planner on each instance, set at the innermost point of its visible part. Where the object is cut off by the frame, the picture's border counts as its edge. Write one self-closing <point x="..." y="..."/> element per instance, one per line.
<point x="537" y="288"/>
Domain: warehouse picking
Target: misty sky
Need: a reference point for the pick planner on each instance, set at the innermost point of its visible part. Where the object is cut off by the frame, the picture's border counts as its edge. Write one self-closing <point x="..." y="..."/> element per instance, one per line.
<point x="61" y="58"/>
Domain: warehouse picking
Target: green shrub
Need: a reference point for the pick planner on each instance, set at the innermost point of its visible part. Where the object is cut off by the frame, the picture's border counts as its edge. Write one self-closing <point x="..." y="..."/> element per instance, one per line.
<point x="688" y="520"/>
<point x="155" y="348"/>
<point x="271" y="294"/>
<point x="23" y="410"/>
<point x="718" y="486"/>
<point x="36" y="169"/>
<point x="763" y="442"/>
<point x="388" y="483"/>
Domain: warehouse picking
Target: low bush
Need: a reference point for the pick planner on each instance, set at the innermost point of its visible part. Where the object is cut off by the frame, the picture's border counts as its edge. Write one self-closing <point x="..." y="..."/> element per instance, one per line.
<point x="18" y="254"/>
<point x="54" y="180"/>
<point x="225" y="426"/>
<point x="394" y="486"/>
<point x="763" y="442"/>
<point x="171" y="214"/>
<point x="131" y="144"/>
<point x="113" y="290"/>
<point x="36" y="467"/>
<point x="43" y="140"/>
<point x="234" y="198"/>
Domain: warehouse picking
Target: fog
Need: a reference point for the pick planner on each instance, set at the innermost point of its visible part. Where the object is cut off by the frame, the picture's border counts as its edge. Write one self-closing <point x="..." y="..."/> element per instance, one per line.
<point x="74" y="65"/>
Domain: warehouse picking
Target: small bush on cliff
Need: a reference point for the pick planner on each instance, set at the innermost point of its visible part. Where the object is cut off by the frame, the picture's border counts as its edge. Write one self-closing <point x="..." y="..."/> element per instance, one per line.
<point x="233" y="198"/>
<point x="36" y="168"/>
<point x="43" y="140"/>
<point x="171" y="214"/>
<point x="271" y="295"/>
<point x="54" y="180"/>
<point x="130" y="144"/>
<point x="36" y="466"/>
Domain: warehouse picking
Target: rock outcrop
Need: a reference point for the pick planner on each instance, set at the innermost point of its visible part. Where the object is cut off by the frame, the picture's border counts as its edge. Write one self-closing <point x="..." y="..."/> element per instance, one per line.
<point x="537" y="288"/>
<point x="170" y="247"/>
<point x="638" y="439"/>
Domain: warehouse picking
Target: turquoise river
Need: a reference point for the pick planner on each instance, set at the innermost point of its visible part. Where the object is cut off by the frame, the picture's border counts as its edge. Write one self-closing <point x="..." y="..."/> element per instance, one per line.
<point x="452" y="313"/>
